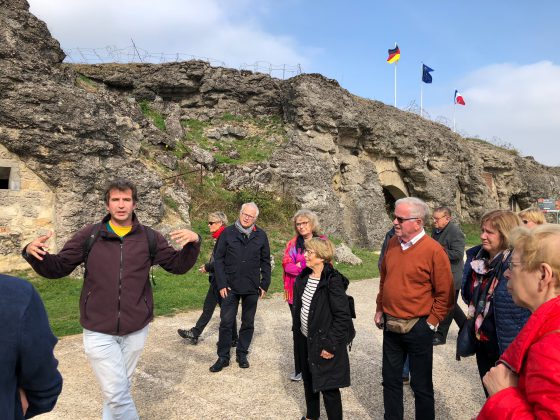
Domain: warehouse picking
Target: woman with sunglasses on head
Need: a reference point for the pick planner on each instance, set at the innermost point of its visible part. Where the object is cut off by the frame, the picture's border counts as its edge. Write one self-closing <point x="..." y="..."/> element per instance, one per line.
<point x="217" y="222"/>
<point x="322" y="327"/>
<point x="497" y="319"/>
<point x="306" y="226"/>
<point x="525" y="384"/>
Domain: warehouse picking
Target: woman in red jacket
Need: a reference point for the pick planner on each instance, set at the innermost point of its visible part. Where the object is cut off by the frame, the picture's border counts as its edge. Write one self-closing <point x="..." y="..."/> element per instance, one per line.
<point x="525" y="384"/>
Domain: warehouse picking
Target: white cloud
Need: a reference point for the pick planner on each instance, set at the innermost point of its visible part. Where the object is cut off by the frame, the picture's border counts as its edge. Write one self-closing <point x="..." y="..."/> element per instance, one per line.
<point x="217" y="29"/>
<point x="519" y="104"/>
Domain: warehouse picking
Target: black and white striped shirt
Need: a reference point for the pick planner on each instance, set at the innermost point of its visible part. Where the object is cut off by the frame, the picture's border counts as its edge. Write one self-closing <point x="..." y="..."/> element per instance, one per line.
<point x="308" y="293"/>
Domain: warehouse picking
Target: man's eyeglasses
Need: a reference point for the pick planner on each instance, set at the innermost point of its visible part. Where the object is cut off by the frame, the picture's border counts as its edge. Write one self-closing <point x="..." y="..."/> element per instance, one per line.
<point x="248" y="216"/>
<point x="212" y="223"/>
<point x="435" y="219"/>
<point x="401" y="220"/>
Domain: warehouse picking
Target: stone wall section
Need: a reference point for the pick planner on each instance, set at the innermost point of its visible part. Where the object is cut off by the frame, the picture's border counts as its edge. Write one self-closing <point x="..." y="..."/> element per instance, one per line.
<point x="26" y="211"/>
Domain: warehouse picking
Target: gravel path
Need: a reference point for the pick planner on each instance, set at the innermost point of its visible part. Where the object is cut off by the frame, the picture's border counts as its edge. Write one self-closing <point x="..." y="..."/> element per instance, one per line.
<point x="172" y="380"/>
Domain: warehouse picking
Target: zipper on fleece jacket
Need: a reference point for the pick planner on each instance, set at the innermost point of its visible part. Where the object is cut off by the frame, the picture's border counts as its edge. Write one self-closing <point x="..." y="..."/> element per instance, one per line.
<point x="120" y="286"/>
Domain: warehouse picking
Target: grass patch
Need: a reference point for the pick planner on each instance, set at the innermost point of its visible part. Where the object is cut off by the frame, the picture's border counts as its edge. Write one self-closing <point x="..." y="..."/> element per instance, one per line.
<point x="172" y="204"/>
<point x="472" y="233"/>
<point x="258" y="147"/>
<point x="156" y="117"/>
<point x="86" y="83"/>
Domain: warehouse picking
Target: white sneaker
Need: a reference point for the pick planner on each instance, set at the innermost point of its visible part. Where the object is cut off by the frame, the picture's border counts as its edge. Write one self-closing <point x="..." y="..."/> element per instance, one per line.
<point x="295" y="376"/>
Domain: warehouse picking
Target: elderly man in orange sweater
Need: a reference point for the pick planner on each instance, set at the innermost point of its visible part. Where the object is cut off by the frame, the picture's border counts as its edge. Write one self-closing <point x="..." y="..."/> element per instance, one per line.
<point x="415" y="295"/>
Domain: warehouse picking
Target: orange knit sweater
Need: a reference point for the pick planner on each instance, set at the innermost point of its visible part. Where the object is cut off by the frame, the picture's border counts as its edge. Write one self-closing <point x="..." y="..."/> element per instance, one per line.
<point x="416" y="282"/>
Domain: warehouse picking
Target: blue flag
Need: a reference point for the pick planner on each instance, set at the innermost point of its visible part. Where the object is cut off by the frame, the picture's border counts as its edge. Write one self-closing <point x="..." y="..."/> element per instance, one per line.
<point x="426" y="76"/>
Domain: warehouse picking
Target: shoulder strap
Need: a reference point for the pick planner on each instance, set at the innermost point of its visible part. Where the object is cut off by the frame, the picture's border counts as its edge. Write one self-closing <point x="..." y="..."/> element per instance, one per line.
<point x="152" y="244"/>
<point x="152" y="247"/>
<point x="89" y="242"/>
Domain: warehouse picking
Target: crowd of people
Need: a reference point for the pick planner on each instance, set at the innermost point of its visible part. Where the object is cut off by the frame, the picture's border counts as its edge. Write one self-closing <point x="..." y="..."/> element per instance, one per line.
<point x="510" y="284"/>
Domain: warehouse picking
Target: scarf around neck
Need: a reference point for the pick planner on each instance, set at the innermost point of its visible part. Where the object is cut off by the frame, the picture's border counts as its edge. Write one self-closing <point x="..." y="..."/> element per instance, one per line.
<point x="244" y="231"/>
<point x="217" y="234"/>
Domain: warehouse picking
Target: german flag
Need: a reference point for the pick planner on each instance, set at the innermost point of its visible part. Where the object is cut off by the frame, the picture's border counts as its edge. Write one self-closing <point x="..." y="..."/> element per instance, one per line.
<point x="394" y="55"/>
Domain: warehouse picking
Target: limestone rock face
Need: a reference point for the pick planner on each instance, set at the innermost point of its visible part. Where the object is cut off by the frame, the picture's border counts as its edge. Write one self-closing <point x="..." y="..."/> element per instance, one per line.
<point x="73" y="137"/>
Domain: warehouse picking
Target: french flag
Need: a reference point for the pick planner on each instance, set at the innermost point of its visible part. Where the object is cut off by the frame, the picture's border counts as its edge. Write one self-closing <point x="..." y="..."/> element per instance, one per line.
<point x="459" y="98"/>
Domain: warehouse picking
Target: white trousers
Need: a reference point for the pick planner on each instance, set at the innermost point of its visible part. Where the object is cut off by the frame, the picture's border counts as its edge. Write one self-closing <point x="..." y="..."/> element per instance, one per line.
<point x="113" y="359"/>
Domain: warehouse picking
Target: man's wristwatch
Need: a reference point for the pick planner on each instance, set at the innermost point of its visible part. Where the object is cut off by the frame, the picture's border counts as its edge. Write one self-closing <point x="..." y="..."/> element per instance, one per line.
<point x="432" y="327"/>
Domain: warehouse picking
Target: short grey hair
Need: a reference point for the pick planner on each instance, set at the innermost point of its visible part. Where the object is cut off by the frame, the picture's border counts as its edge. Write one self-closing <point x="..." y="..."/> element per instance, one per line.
<point x="418" y="208"/>
<point x="250" y="204"/>
<point x="219" y="216"/>
<point x="311" y="216"/>
<point x="443" y="209"/>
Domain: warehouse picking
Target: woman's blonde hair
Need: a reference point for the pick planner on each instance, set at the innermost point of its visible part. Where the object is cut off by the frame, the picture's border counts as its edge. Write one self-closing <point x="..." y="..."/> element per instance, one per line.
<point x="322" y="247"/>
<point x="313" y="220"/>
<point x="533" y="215"/>
<point x="504" y="221"/>
<point x="537" y="246"/>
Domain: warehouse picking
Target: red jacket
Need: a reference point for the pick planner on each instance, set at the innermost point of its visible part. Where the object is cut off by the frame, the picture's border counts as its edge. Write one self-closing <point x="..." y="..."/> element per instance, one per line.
<point x="535" y="356"/>
<point x="116" y="296"/>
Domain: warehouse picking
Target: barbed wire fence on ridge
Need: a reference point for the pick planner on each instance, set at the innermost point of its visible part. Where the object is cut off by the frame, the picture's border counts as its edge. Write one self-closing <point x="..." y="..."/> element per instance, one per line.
<point x="133" y="54"/>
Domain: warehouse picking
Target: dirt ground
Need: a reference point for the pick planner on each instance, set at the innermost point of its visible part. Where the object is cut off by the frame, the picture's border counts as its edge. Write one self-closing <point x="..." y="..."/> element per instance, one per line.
<point x="172" y="380"/>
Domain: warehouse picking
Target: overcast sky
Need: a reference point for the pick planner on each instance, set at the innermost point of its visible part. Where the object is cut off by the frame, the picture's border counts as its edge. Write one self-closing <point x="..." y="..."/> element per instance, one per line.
<point x="501" y="55"/>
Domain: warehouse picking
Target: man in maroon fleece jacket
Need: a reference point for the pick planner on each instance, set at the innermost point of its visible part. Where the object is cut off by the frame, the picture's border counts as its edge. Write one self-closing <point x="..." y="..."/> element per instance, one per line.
<point x="116" y="303"/>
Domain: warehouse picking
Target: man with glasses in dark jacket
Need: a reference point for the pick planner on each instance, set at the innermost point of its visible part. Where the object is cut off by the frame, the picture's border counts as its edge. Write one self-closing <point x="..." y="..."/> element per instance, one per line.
<point x="242" y="269"/>
<point x="450" y="237"/>
<point x="116" y="303"/>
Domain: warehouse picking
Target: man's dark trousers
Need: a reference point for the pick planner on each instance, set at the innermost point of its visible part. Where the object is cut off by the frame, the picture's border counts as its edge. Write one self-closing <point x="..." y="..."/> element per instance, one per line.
<point x="212" y="299"/>
<point x="417" y="343"/>
<point x="228" y="314"/>
<point x="456" y="314"/>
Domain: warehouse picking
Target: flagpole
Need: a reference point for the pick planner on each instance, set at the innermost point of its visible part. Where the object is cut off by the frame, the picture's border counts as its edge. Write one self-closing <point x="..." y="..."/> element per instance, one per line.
<point x="396" y="84"/>
<point x="396" y="62"/>
<point x="454" y="105"/>
<point x="421" y="89"/>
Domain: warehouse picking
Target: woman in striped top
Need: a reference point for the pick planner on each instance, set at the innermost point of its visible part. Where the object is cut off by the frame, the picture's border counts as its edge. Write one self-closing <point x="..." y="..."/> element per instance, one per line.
<point x="306" y="226"/>
<point x="322" y="324"/>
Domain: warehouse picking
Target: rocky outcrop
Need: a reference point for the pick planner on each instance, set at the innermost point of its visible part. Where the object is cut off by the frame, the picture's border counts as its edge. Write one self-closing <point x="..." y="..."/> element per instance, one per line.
<point x="73" y="139"/>
<point x="347" y="158"/>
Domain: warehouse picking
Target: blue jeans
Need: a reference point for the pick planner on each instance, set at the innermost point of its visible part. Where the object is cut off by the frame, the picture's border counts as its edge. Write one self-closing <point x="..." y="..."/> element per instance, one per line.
<point x="113" y="359"/>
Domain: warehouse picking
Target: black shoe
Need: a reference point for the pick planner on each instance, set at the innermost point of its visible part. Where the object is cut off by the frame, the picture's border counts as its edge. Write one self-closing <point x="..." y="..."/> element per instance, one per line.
<point x="188" y="335"/>
<point x="234" y="342"/>
<point x="242" y="361"/>
<point x="221" y="363"/>
<point x="437" y="341"/>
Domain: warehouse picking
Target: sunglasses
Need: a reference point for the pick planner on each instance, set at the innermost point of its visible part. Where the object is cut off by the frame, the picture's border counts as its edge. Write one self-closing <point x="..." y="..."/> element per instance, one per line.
<point x="401" y="220"/>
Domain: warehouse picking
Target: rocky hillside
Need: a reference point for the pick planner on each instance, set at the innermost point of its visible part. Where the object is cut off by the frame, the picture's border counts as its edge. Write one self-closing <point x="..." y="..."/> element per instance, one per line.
<point x="304" y="139"/>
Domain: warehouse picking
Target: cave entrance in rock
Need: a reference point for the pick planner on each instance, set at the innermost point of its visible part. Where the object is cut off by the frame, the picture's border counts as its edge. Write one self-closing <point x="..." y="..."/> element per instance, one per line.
<point x="514" y="204"/>
<point x="391" y="195"/>
<point x="5" y="178"/>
